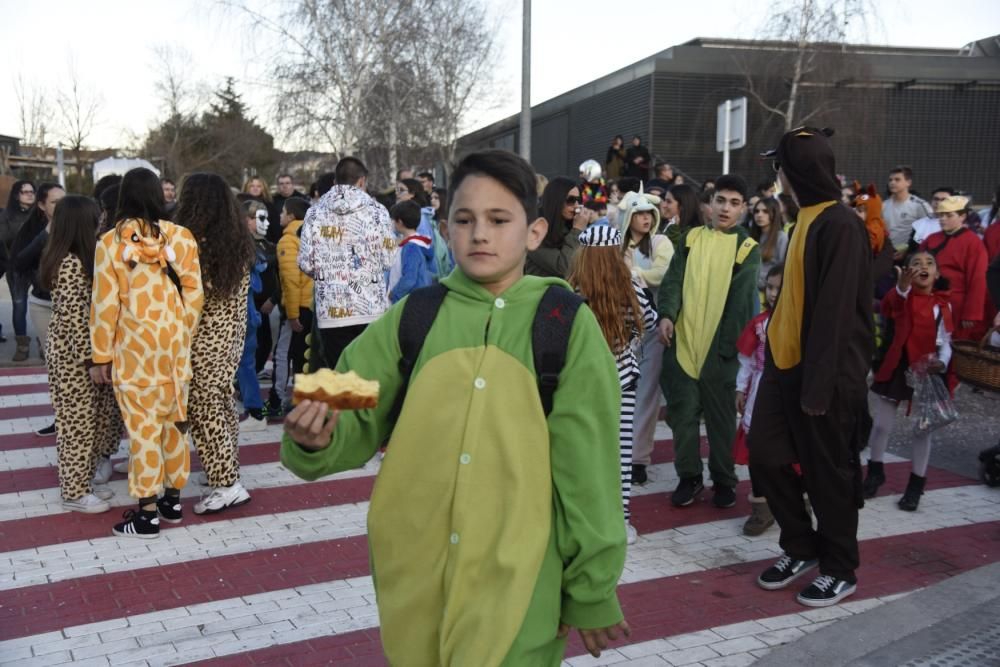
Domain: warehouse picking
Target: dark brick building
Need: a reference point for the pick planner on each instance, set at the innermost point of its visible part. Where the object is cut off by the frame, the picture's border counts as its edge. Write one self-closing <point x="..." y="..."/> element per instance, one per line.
<point x="937" y="110"/>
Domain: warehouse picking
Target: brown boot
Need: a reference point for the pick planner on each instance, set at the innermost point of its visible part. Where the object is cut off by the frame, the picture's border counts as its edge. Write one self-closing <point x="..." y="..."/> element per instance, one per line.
<point x="760" y="517"/>
<point x="23" y="348"/>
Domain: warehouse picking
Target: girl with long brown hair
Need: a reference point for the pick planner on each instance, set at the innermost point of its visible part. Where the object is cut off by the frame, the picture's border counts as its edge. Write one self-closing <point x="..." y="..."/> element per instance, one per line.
<point x="766" y="230"/>
<point x="624" y="309"/>
<point x="226" y="254"/>
<point x="88" y="423"/>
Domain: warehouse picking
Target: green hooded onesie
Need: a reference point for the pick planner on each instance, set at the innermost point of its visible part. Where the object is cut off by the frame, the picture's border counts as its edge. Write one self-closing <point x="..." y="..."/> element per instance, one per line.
<point x="708" y="293"/>
<point x="488" y="525"/>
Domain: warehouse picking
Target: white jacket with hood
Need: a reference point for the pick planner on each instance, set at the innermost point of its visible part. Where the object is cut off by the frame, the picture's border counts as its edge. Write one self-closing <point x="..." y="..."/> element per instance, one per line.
<point x="347" y="247"/>
<point x="650" y="270"/>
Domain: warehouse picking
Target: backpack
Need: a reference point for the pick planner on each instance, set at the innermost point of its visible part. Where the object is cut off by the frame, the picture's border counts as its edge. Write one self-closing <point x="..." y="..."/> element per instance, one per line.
<point x="550" y="333"/>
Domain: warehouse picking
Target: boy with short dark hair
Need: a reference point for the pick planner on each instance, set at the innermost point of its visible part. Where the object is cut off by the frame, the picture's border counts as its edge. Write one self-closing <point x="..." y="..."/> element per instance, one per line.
<point x="493" y="528"/>
<point x="414" y="263"/>
<point x="706" y="298"/>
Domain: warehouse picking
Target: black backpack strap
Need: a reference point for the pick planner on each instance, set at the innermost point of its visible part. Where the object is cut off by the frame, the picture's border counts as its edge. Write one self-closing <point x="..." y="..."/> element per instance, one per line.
<point x="550" y="338"/>
<point x="415" y="323"/>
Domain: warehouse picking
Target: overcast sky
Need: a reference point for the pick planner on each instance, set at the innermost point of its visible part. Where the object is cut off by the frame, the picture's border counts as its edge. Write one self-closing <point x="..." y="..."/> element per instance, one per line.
<point x="109" y="42"/>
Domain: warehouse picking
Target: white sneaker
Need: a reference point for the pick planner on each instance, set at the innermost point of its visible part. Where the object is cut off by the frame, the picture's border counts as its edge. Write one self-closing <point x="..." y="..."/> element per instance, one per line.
<point x="102" y="473"/>
<point x="251" y="425"/>
<point x="631" y="535"/>
<point x="121" y="467"/>
<point x="103" y="492"/>
<point x="88" y="504"/>
<point x="221" y="498"/>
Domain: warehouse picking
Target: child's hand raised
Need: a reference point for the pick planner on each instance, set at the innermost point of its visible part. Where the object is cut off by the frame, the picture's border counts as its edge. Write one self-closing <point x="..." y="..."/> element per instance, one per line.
<point x="904" y="278"/>
<point x="596" y="640"/>
<point x="311" y="424"/>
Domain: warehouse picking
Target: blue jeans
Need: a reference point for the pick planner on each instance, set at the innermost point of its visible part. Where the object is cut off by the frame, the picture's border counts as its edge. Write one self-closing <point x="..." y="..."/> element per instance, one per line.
<point x="246" y="372"/>
<point x="19" y="286"/>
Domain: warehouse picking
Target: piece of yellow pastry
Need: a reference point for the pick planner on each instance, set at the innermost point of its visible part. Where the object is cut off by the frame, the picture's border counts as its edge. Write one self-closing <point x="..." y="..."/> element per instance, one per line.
<point x="340" y="391"/>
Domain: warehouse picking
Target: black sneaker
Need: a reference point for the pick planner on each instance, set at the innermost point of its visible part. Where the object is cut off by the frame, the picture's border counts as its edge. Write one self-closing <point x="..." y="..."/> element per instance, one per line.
<point x="639" y="474"/>
<point x="47" y="430"/>
<point x="784" y="572"/>
<point x="686" y="491"/>
<point x="142" y="524"/>
<point x="169" y="508"/>
<point x="825" y="591"/>
<point x="273" y="411"/>
<point x="724" y="496"/>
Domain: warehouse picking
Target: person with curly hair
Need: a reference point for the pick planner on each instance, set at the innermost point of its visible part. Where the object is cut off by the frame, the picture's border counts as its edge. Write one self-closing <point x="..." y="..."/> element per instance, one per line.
<point x="208" y="209"/>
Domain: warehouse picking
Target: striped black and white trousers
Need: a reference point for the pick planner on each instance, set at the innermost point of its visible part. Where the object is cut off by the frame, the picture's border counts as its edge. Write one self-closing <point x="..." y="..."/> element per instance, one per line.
<point x="625" y="436"/>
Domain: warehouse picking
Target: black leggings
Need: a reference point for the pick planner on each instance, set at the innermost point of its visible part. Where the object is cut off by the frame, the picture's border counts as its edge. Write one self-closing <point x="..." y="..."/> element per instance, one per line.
<point x="336" y="339"/>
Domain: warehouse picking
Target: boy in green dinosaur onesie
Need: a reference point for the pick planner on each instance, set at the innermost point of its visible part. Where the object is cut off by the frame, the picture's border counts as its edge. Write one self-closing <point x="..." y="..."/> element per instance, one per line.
<point x="706" y="299"/>
<point x="492" y="530"/>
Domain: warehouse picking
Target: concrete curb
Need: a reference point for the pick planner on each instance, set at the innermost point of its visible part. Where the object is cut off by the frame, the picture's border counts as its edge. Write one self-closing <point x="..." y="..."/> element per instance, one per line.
<point x="913" y="627"/>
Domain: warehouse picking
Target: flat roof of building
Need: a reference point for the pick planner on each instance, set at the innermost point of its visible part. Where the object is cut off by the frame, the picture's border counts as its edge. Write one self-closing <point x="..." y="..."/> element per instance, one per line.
<point x="977" y="63"/>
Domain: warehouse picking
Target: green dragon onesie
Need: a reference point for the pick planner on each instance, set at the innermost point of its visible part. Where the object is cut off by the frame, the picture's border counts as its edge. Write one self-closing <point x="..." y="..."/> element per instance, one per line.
<point x="487" y="525"/>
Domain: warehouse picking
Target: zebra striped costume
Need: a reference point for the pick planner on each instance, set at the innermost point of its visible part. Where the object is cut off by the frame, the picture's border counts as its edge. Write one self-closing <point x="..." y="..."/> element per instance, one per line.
<point x="628" y="377"/>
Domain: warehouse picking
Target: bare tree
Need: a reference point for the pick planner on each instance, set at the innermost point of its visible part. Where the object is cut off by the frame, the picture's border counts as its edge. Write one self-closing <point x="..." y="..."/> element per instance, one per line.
<point x="34" y="112"/>
<point x="457" y="65"/>
<point x="803" y="43"/>
<point x="78" y="108"/>
<point x="380" y="78"/>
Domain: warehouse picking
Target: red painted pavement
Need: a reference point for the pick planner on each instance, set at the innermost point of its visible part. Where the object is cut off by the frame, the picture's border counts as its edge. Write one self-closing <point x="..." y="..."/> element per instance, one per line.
<point x="72" y="526"/>
<point x="18" y="389"/>
<point x="26" y="441"/>
<point x="29" y="479"/>
<point x="46" y="607"/>
<point x="701" y="600"/>
<point x="25" y="411"/>
<point x="651" y="512"/>
<point x="24" y="370"/>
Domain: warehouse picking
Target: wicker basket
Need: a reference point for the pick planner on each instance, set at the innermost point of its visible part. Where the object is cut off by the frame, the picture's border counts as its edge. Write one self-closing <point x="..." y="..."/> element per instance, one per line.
<point x="977" y="364"/>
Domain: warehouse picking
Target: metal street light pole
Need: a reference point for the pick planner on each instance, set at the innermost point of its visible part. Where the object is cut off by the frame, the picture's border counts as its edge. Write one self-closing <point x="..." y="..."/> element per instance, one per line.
<point x="525" y="143"/>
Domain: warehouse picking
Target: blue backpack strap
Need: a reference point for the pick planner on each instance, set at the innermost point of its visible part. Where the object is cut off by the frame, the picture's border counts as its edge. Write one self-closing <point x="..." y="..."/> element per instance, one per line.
<point x="550" y="338"/>
<point x="419" y="311"/>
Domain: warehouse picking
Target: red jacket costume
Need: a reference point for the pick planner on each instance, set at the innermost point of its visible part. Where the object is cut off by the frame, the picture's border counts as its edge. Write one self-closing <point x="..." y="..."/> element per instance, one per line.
<point x="915" y="329"/>
<point x="961" y="258"/>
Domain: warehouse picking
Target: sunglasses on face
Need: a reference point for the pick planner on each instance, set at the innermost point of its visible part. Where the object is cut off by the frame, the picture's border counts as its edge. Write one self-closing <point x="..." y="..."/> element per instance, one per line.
<point x="573" y="201"/>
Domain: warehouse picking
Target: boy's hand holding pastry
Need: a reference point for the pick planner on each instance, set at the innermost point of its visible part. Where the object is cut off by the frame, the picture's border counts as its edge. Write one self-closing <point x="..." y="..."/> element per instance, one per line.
<point x="311" y="424"/>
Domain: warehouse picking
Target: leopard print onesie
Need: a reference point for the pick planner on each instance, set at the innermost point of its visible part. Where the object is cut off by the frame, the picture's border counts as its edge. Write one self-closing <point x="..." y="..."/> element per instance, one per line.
<point x="142" y="323"/>
<point x="215" y="354"/>
<point x="88" y="422"/>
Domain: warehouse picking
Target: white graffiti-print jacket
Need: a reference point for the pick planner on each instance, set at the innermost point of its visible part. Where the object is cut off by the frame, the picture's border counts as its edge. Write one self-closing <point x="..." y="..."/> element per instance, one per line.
<point x="347" y="247"/>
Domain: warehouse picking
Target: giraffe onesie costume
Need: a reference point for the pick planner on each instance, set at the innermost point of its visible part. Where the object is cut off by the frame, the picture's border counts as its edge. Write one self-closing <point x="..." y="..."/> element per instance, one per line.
<point x="142" y="323"/>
